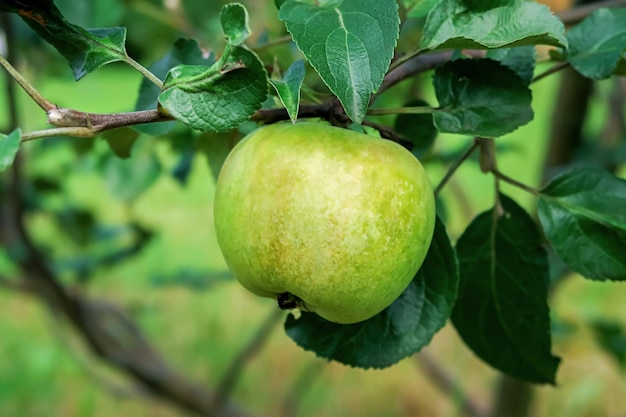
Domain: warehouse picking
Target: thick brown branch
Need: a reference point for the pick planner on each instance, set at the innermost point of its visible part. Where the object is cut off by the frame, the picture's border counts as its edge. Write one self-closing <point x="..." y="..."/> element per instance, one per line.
<point x="412" y="67"/>
<point x="108" y="332"/>
<point x="17" y="285"/>
<point x="328" y="110"/>
<point x="576" y="14"/>
<point x="98" y="122"/>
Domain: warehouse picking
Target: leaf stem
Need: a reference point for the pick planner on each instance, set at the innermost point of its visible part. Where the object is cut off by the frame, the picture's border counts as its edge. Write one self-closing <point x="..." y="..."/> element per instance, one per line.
<point x="144" y="71"/>
<point x="488" y="164"/>
<point x="552" y="70"/>
<point x="515" y="182"/>
<point x="272" y="43"/>
<point x="456" y="165"/>
<point x="43" y="102"/>
<point x="401" y="110"/>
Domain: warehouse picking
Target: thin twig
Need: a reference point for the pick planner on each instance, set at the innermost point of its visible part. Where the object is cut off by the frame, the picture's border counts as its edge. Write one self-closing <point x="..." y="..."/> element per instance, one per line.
<point x="576" y="14"/>
<point x="388" y="133"/>
<point x="30" y="90"/>
<point x="235" y="370"/>
<point x="489" y="164"/>
<point x="514" y="182"/>
<point x="270" y="44"/>
<point x="300" y="386"/>
<point x="487" y="154"/>
<point x="458" y="191"/>
<point x="447" y="384"/>
<point x="456" y="165"/>
<point x="411" y="65"/>
<point x="552" y="70"/>
<point x="76" y="132"/>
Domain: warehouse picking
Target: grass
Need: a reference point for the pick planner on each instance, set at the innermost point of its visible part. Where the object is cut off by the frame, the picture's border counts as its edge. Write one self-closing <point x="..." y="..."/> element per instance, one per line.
<point x="47" y="372"/>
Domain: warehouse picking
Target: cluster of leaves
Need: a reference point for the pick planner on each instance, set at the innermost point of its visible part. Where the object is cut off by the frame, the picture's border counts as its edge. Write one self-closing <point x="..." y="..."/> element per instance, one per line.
<point x="493" y="284"/>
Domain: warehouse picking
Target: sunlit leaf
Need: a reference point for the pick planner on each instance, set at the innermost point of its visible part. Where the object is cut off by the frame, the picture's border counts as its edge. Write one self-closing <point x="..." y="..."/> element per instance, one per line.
<point x="234" y="19"/>
<point x="216" y="98"/>
<point x="349" y="43"/>
<point x="288" y="88"/>
<point x="184" y="51"/>
<point x="463" y="24"/>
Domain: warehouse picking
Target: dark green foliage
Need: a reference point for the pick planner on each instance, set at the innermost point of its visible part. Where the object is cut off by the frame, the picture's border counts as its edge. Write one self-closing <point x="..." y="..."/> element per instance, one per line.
<point x="501" y="313"/>
<point x="398" y="331"/>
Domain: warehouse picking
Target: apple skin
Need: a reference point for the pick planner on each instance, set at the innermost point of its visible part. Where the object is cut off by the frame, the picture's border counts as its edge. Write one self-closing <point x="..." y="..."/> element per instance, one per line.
<point x="324" y="219"/>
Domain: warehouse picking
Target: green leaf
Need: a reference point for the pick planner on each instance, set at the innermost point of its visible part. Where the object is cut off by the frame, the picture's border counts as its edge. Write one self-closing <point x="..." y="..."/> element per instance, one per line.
<point x="93" y="13"/>
<point x="217" y="98"/>
<point x="86" y="50"/>
<point x="288" y="88"/>
<point x="234" y="19"/>
<point x="349" y="43"/>
<point x="216" y="148"/>
<point x="460" y="24"/>
<point x="401" y="329"/>
<point x="480" y="97"/>
<point x="596" y="45"/>
<point x="419" y="8"/>
<point x="520" y="59"/>
<point x="583" y="216"/>
<point x="121" y="141"/>
<point x="184" y="51"/>
<point x="9" y="145"/>
<point x="77" y="223"/>
<point x="128" y="178"/>
<point x="418" y="129"/>
<point x="501" y="312"/>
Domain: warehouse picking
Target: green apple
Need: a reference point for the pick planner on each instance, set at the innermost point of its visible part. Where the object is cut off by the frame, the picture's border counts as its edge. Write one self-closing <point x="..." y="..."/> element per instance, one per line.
<point x="324" y="219"/>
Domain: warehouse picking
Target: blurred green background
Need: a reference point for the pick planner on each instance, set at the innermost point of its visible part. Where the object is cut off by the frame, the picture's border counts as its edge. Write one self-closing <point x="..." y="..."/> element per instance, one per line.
<point x="179" y="290"/>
